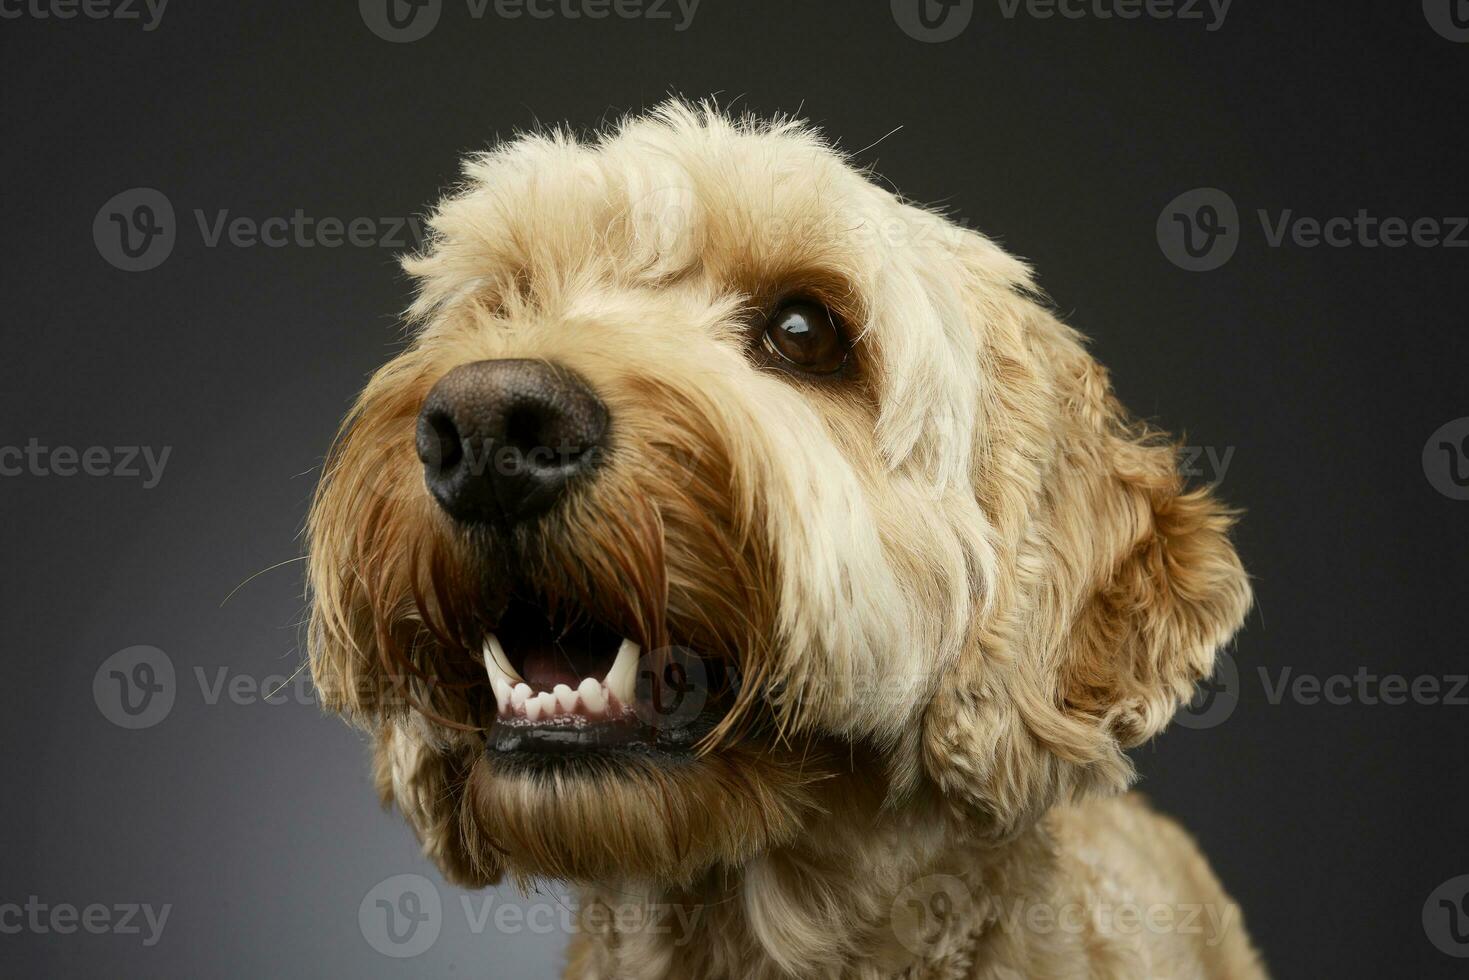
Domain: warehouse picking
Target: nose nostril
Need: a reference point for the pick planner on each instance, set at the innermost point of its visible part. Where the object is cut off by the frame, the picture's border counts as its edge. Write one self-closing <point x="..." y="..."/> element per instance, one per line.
<point x="502" y="441"/>
<point x="439" y="444"/>
<point x="525" y="427"/>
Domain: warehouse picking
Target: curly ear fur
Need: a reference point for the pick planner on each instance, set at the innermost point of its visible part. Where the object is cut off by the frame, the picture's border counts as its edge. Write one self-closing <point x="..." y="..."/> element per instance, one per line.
<point x="1123" y="584"/>
<point x="418" y="775"/>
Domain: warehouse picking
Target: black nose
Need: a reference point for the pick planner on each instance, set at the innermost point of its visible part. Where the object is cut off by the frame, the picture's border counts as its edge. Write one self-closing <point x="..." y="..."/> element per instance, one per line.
<point x="502" y="440"/>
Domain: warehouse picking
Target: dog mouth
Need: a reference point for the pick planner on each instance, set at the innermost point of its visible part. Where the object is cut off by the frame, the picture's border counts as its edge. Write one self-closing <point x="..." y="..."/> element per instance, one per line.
<point x="568" y="684"/>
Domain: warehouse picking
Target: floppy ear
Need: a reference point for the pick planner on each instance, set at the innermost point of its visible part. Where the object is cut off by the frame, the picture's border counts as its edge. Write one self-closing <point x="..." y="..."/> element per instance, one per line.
<point x="1116" y="586"/>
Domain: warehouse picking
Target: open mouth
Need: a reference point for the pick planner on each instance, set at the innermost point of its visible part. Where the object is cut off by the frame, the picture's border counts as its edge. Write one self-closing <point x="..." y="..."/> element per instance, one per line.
<point x="570" y="685"/>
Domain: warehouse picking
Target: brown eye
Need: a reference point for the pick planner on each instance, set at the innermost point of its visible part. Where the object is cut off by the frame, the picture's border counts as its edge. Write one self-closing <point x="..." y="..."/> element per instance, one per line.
<point x="804" y="335"/>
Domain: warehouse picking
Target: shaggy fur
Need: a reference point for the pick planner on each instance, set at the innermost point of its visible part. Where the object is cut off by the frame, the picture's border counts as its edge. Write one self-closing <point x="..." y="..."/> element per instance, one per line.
<point x="957" y="583"/>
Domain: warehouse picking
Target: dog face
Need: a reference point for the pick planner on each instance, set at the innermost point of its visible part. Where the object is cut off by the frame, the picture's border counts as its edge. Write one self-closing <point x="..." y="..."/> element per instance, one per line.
<point x="718" y="488"/>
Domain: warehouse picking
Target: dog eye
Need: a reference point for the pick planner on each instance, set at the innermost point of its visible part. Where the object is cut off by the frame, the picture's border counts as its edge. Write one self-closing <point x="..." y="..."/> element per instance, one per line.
<point x="805" y="336"/>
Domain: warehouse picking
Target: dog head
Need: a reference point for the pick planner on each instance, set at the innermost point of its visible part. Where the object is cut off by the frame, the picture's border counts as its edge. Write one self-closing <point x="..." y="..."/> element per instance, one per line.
<point x="715" y="480"/>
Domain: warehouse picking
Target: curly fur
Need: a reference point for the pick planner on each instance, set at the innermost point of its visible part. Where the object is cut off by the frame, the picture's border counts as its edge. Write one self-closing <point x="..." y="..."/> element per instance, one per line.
<point x="957" y="586"/>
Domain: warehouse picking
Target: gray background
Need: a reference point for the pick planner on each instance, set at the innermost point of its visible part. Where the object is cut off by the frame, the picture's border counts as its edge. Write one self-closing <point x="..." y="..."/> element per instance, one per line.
<point x="1325" y="371"/>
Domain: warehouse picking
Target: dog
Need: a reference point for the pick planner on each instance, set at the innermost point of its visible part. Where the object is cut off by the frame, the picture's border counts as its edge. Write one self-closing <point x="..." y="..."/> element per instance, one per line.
<point x="757" y="552"/>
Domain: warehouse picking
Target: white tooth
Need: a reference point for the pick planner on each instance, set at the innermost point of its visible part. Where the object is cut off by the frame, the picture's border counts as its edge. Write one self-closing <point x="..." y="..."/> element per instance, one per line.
<point x="592" y="696"/>
<point x="565" y="698"/>
<point x="502" y="694"/>
<point x="520" y="695"/>
<point x="548" y="703"/>
<point x="622" y="679"/>
<point x="496" y="662"/>
<point x="533" y="709"/>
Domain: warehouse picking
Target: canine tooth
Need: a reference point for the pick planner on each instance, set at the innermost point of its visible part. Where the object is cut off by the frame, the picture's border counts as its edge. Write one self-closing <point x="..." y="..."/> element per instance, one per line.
<point x="533" y="709"/>
<point x="521" y="695"/>
<point x="622" y="678"/>
<point x="565" y="698"/>
<point x="592" y="695"/>
<point x="502" y="693"/>
<point x="496" y="663"/>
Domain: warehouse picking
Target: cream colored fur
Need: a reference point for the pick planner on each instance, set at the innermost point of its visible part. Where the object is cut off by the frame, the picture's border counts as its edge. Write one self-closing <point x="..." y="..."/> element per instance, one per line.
<point x="958" y="585"/>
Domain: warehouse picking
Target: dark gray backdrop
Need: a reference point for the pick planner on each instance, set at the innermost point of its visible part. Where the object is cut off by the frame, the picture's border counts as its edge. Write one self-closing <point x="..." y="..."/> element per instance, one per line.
<point x="1313" y="380"/>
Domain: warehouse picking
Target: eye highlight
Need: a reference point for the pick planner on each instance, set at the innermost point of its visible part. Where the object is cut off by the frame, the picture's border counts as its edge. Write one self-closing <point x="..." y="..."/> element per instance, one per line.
<point x="804" y="336"/>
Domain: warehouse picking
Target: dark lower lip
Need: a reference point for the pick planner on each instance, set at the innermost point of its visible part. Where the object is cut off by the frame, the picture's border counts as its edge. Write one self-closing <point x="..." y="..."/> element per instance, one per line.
<point x="519" y="738"/>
